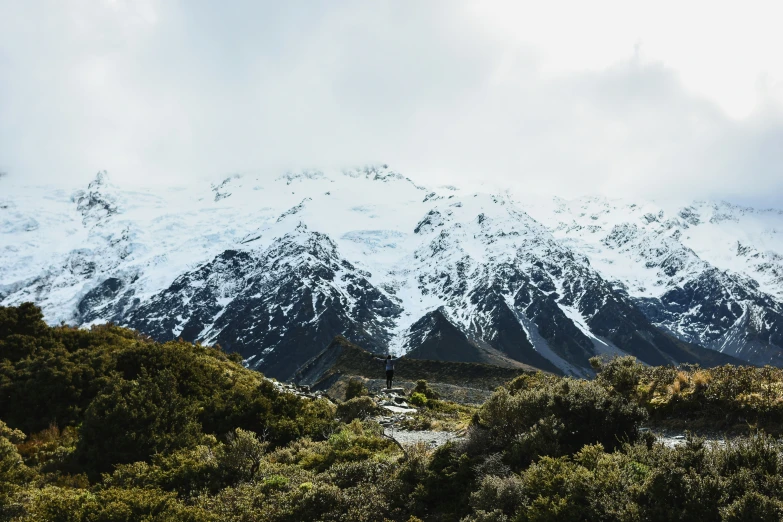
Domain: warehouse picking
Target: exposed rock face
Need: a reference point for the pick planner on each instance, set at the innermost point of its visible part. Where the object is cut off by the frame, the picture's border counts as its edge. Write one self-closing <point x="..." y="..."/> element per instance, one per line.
<point x="276" y="268"/>
<point x="342" y="358"/>
<point x="277" y="307"/>
<point x="98" y="202"/>
<point x="435" y="337"/>
<point x="666" y="264"/>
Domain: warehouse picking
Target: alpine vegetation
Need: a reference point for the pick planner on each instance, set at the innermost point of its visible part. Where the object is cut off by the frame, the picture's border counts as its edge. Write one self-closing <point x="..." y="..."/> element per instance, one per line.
<point x="107" y="424"/>
<point x="561" y="300"/>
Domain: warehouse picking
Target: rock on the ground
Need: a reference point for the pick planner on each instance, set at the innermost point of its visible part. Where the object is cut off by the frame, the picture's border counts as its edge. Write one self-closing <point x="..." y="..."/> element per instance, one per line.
<point x="399" y="409"/>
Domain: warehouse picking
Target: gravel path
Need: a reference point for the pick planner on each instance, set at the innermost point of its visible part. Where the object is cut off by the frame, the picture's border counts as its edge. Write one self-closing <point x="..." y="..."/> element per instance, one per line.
<point x="439" y="438"/>
<point x="672" y="441"/>
<point x="431" y="438"/>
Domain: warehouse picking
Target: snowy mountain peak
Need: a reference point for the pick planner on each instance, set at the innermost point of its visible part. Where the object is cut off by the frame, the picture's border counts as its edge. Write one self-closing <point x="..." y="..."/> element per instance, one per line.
<point x="101" y="180"/>
<point x="290" y="177"/>
<point x="380" y="172"/>
<point x="275" y="266"/>
<point x="98" y="202"/>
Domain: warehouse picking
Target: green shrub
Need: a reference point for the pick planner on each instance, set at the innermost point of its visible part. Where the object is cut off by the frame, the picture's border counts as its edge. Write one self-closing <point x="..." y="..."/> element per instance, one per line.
<point x="50" y="449"/>
<point x="753" y="506"/>
<point x="187" y="434"/>
<point x="498" y="493"/>
<point x="528" y="381"/>
<point x="715" y="398"/>
<point x="112" y="505"/>
<point x="557" y="489"/>
<point x="418" y="399"/>
<point x="275" y="482"/>
<point x="622" y="374"/>
<point x="356" y="473"/>
<point x="423" y="388"/>
<point x="24" y="320"/>
<point x="355" y="388"/>
<point x="448" y="481"/>
<point x="14" y="436"/>
<point x="558" y="418"/>
<point x="356" y="408"/>
<point x="12" y="468"/>
<point x="495" y="515"/>
<point x="242" y="456"/>
<point x="182" y="471"/>
<point x="132" y="420"/>
<point x="352" y="443"/>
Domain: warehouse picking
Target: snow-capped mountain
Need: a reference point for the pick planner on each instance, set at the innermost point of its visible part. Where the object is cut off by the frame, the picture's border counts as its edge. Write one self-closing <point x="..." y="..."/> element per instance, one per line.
<point x="275" y="266"/>
<point x="708" y="273"/>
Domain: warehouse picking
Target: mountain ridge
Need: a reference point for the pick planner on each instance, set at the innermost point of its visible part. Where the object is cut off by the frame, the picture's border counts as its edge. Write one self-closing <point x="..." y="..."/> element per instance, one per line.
<point x="275" y="267"/>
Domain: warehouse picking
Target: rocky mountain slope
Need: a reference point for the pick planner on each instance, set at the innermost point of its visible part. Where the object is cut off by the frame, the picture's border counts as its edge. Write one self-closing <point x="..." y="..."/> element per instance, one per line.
<point x="342" y="359"/>
<point x="708" y="273"/>
<point x="274" y="267"/>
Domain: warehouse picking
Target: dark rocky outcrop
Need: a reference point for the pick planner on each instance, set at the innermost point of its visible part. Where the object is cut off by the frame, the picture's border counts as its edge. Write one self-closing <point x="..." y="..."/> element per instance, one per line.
<point x="341" y="357"/>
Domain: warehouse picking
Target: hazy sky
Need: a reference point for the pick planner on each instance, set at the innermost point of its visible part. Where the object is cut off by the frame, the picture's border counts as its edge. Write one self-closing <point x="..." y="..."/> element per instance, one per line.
<point x="609" y="97"/>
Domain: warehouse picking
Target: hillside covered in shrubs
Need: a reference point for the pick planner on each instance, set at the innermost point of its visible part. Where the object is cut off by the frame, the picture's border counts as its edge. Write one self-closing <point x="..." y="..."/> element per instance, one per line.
<point x="108" y="425"/>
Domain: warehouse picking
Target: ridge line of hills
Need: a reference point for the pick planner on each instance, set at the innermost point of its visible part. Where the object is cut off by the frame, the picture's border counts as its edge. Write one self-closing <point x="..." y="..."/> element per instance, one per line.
<point x="275" y="268"/>
<point x="343" y="358"/>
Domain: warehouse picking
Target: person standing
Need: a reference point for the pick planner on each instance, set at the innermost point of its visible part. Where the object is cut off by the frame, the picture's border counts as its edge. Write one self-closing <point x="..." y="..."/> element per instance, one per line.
<point x="389" y="369"/>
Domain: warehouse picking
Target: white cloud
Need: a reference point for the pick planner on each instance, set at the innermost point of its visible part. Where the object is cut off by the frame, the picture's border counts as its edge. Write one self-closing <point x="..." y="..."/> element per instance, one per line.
<point x="609" y="97"/>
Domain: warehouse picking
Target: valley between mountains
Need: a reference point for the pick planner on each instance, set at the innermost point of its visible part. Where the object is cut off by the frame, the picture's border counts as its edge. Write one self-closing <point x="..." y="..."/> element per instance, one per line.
<point x="275" y="267"/>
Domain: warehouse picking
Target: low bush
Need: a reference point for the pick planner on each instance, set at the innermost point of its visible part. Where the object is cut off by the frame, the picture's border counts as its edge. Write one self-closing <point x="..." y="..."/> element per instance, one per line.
<point x="55" y="504"/>
<point x="132" y="420"/>
<point x="418" y="399"/>
<point x="354" y="442"/>
<point x="356" y="408"/>
<point x="106" y="425"/>
<point x="355" y="388"/>
<point x="725" y="397"/>
<point x="558" y="418"/>
<point x="12" y="467"/>
<point x="753" y="506"/>
<point x="424" y="389"/>
<point x="498" y="493"/>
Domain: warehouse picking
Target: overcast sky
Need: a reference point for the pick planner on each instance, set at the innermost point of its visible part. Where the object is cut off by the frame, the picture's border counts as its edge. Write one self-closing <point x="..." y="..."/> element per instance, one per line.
<point x="620" y="98"/>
